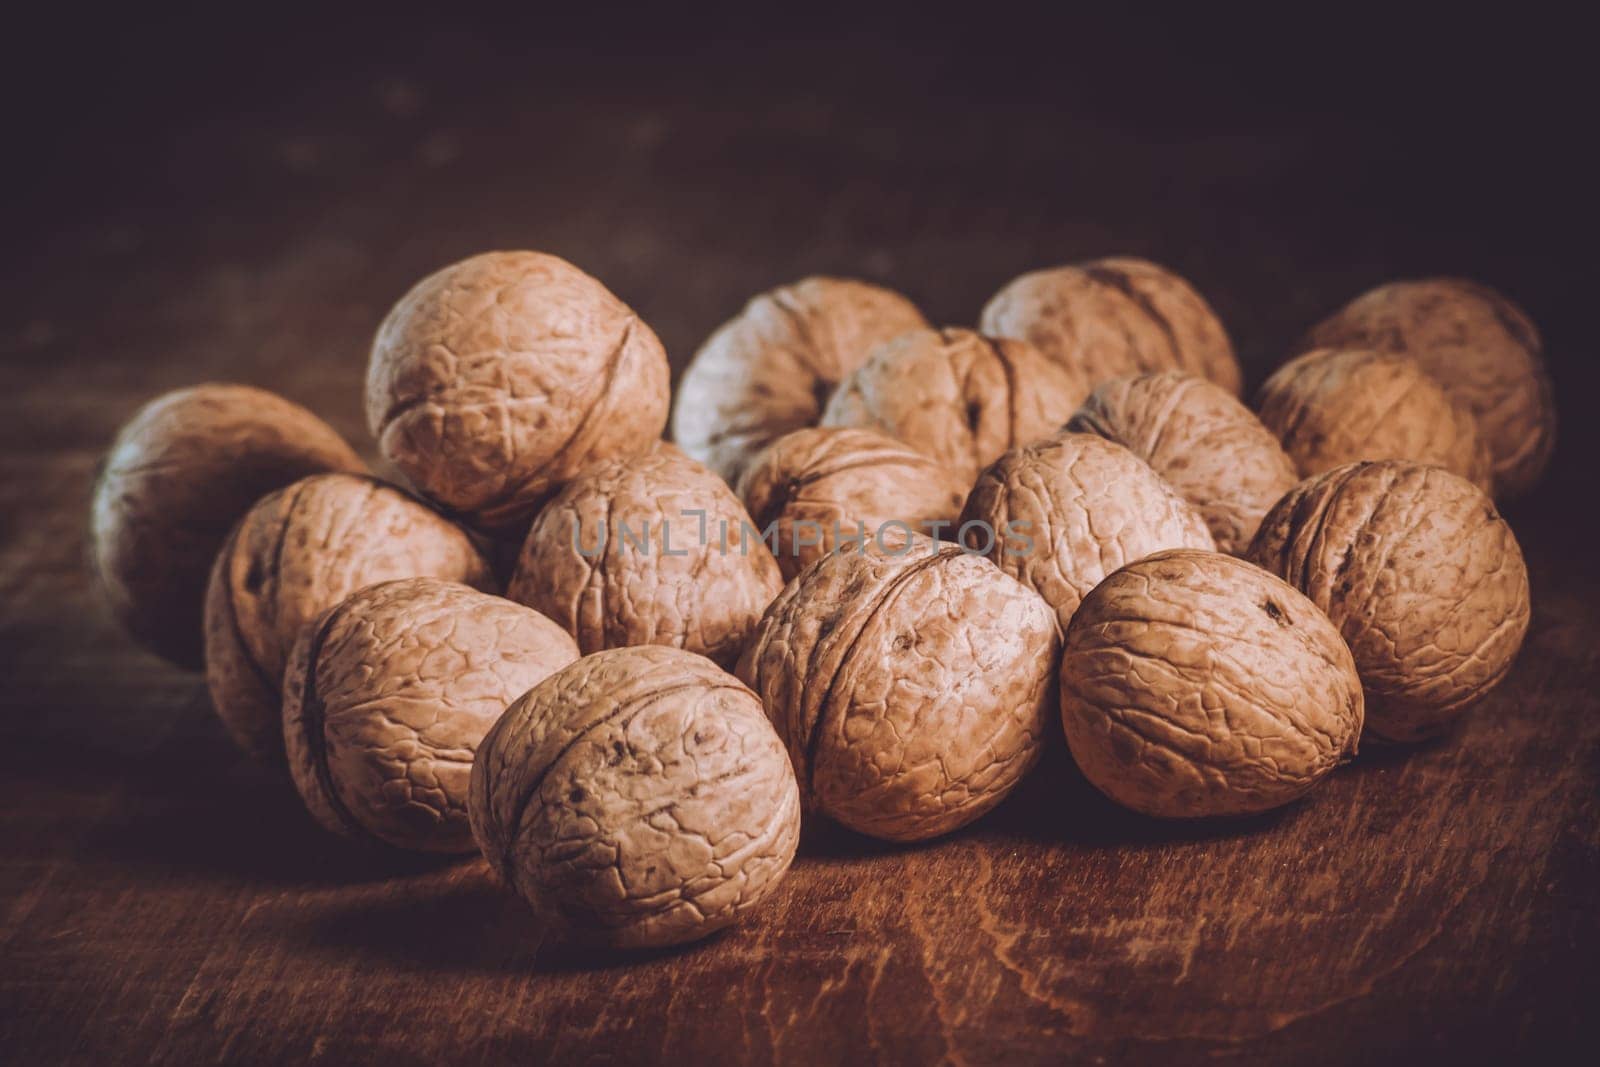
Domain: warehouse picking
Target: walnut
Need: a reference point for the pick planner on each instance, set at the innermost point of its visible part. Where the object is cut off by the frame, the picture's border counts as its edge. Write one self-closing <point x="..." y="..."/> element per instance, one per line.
<point x="958" y="396"/>
<point x="1062" y="513"/>
<point x="493" y="381"/>
<point x="1333" y="406"/>
<point x="912" y="685"/>
<point x="1194" y="684"/>
<point x="178" y="476"/>
<point x="1202" y="441"/>
<point x="1109" y="318"/>
<point x="1480" y="347"/>
<point x="819" y="487"/>
<point x="1420" y="574"/>
<point x="769" y="369"/>
<point x="389" y="694"/>
<point x="653" y="550"/>
<point x="297" y="553"/>
<point x="638" y="797"/>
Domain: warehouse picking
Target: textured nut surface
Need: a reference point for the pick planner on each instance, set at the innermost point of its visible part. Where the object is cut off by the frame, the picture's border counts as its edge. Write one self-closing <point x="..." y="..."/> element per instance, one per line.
<point x="1109" y="318"/>
<point x="637" y="797"/>
<point x="1334" y="406"/>
<point x="769" y="369"/>
<point x="957" y="396"/>
<point x="1196" y="684"/>
<point x="826" y="484"/>
<point x="495" y="380"/>
<point x="647" y="551"/>
<point x="911" y="686"/>
<point x="1202" y="441"/>
<point x="179" y="475"/>
<point x="1480" y="347"/>
<point x="297" y="553"/>
<point x="388" y="696"/>
<point x="1421" y="575"/>
<point x="1062" y="513"/>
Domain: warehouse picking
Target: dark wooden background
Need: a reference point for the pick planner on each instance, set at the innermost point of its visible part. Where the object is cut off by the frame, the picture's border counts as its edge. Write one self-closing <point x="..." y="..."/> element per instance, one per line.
<point x="202" y="196"/>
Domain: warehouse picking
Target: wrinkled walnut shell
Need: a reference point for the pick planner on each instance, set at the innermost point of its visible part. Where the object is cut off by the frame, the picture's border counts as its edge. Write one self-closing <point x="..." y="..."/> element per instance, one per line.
<point x="957" y="396"/>
<point x="769" y="369"/>
<point x="654" y="550"/>
<point x="1422" y="577"/>
<point x="912" y="686"/>
<point x="1195" y="684"/>
<point x="179" y="475"/>
<point x="638" y="797"/>
<point x="1115" y="317"/>
<point x="297" y="553"/>
<point x="388" y="696"/>
<point x="496" y="379"/>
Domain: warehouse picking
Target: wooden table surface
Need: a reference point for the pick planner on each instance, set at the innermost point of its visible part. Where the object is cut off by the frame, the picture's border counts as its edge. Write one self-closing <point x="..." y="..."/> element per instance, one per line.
<point x="245" y="207"/>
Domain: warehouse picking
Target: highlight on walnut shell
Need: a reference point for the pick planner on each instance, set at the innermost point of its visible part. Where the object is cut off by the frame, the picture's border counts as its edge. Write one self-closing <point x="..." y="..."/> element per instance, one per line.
<point x="652" y="550"/>
<point x="179" y="475"/>
<point x="957" y="396"/>
<point x="1109" y="318"/>
<point x="638" y="797"/>
<point x="1421" y="575"/>
<point x="388" y="696"/>
<point x="1062" y="513"/>
<point x="814" y="489"/>
<point x="1333" y="406"/>
<point x="912" y="686"/>
<point x="1194" y="684"/>
<point x="1199" y="438"/>
<point x="769" y="369"/>
<point x="495" y="380"/>
<point x="1481" y="348"/>
<point x="297" y="553"/>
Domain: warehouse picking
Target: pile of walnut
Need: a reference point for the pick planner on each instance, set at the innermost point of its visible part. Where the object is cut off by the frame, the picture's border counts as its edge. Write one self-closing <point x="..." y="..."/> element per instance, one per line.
<point x="879" y="566"/>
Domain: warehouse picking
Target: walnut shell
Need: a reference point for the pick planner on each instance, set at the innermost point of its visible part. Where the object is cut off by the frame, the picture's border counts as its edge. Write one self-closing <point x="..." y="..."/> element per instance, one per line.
<point x="912" y="686"/>
<point x="1422" y="577"/>
<point x="1334" y="406"/>
<point x="638" y="797"/>
<point x="179" y="475"/>
<point x="957" y="396"/>
<point x="495" y="380"/>
<point x="769" y="369"/>
<point x="1062" y="513"/>
<point x="653" y="550"/>
<point x="1202" y="441"/>
<point x="1195" y="684"/>
<point x="1480" y="347"/>
<point x="297" y="553"/>
<point x="817" y="487"/>
<point x="1109" y="318"/>
<point x="388" y="696"/>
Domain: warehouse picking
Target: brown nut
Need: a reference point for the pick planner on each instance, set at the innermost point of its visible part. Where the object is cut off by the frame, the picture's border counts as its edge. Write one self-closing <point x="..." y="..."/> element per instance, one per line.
<point x="1062" y="513"/>
<point x="957" y="396"/>
<point x="1202" y="441"/>
<point x="1420" y="574"/>
<point x="1195" y="684"/>
<point x="912" y="686"/>
<point x="297" y="553"/>
<point x="388" y="696"/>
<point x="819" y="487"/>
<point x="1480" y="347"/>
<point x="495" y="380"/>
<point x="769" y="369"/>
<point x="1110" y="318"/>
<point x="654" y="550"/>
<point x="638" y="797"/>
<point x="1335" y="406"/>
<point x="178" y="476"/>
